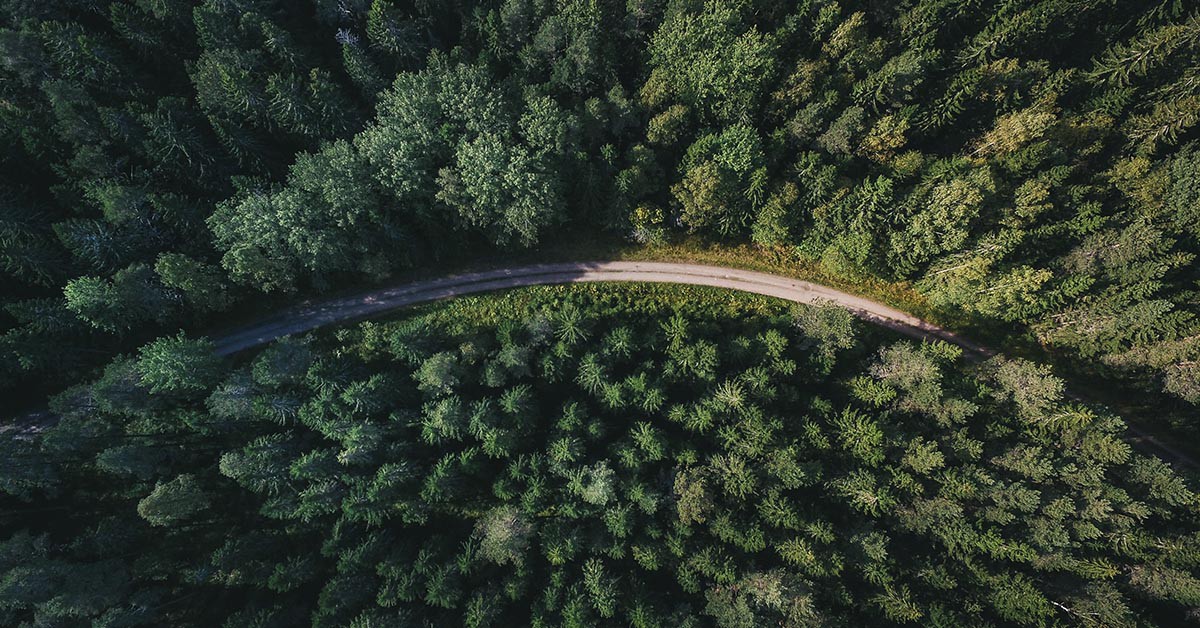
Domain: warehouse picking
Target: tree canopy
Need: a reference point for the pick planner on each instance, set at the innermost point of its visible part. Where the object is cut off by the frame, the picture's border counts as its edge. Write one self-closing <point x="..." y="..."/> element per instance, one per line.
<point x="597" y="456"/>
<point x="1023" y="170"/>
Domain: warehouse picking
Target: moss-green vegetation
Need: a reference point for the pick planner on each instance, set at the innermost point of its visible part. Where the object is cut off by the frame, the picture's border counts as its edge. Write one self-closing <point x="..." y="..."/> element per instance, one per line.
<point x="1021" y="170"/>
<point x="1017" y="168"/>
<point x="592" y="455"/>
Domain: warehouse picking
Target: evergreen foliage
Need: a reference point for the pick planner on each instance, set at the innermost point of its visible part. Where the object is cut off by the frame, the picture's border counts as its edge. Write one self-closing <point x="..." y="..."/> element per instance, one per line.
<point x="1029" y="167"/>
<point x="1023" y="163"/>
<point x="465" y="466"/>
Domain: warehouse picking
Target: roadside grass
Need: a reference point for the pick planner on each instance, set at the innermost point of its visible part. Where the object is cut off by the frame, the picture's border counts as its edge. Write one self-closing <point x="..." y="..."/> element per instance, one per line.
<point x="1162" y="416"/>
<point x="1156" y="413"/>
<point x="790" y="262"/>
<point x="483" y="313"/>
<point x="781" y="261"/>
<point x="596" y="300"/>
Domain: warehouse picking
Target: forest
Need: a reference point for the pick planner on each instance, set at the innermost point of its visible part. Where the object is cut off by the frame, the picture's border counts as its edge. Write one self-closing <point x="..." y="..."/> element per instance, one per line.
<point x="602" y="457"/>
<point x="1029" y="170"/>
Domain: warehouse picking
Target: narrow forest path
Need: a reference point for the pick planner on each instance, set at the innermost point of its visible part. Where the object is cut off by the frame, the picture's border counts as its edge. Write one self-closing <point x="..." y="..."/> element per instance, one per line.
<point x="312" y="315"/>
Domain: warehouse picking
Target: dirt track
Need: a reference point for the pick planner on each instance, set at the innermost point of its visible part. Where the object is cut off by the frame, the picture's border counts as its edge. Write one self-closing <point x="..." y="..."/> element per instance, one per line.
<point x="310" y="316"/>
<point x="313" y="315"/>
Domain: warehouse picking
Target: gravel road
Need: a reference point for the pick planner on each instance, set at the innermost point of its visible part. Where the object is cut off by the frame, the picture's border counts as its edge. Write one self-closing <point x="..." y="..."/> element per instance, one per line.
<point x="310" y="316"/>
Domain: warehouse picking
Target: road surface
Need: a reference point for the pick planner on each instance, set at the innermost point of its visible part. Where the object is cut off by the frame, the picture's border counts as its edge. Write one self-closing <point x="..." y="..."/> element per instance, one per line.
<point x="312" y="315"/>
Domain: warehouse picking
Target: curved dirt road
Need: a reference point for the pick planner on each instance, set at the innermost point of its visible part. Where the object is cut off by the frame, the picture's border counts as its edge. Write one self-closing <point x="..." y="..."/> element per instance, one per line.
<point x="311" y="316"/>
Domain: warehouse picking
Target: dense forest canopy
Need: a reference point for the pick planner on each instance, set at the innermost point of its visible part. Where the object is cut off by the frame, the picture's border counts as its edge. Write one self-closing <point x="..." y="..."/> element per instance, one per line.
<point x="170" y="166"/>
<point x="1025" y="162"/>
<point x="578" y="457"/>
